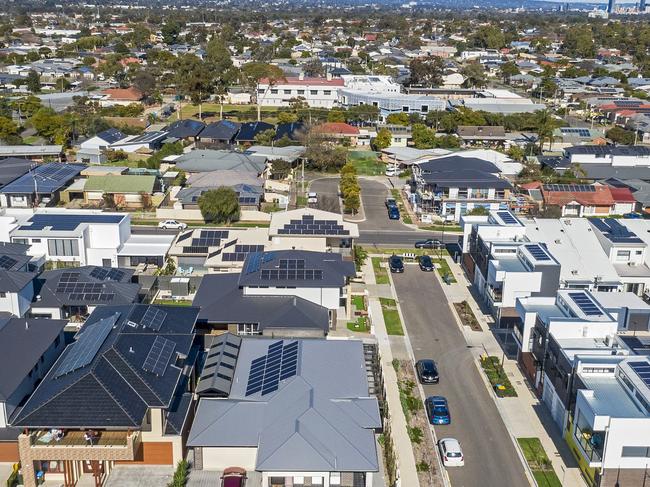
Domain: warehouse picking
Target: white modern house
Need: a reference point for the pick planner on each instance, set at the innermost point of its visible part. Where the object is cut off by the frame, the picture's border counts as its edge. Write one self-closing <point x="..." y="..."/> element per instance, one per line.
<point x="316" y="92"/>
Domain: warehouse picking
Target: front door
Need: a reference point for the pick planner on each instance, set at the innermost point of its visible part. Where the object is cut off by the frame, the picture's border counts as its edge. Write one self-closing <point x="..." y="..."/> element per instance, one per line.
<point x="106" y="262"/>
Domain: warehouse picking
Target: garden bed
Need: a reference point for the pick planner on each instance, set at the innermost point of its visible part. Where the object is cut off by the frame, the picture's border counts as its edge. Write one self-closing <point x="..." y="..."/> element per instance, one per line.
<point x="497" y="377"/>
<point x="466" y="315"/>
<point x="539" y="462"/>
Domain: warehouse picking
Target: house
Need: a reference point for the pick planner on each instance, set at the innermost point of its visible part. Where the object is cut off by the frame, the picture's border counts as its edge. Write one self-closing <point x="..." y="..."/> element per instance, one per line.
<point x="128" y="378"/>
<point x="339" y="131"/>
<point x="600" y="162"/>
<point x="125" y="191"/>
<point x="186" y="129"/>
<point x="146" y="142"/>
<point x="92" y="150"/>
<point x="16" y="287"/>
<point x="206" y="160"/>
<point x="389" y="102"/>
<point x="249" y="130"/>
<point x="316" y="92"/>
<point x="74" y="293"/>
<point x="120" y="96"/>
<point x="37" y="153"/>
<point x="451" y="186"/>
<point x="290" y="153"/>
<point x="492" y="136"/>
<point x="250" y="196"/>
<point x="41" y="186"/>
<point x="280" y="427"/>
<point x="11" y="168"/>
<point x="564" y="137"/>
<point x="293" y="131"/>
<point x="222" y="132"/>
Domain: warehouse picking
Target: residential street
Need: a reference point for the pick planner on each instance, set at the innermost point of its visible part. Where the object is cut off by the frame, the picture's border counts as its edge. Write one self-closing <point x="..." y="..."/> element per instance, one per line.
<point x="490" y="456"/>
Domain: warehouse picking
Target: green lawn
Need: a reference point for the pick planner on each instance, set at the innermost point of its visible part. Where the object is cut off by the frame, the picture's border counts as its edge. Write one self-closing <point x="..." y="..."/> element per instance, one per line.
<point x="381" y="275"/>
<point x="360" y="325"/>
<point x="174" y="302"/>
<point x="238" y="112"/>
<point x="496" y="375"/>
<point x="391" y="317"/>
<point x="440" y="228"/>
<point x="359" y="303"/>
<point x="539" y="462"/>
<point x="367" y="163"/>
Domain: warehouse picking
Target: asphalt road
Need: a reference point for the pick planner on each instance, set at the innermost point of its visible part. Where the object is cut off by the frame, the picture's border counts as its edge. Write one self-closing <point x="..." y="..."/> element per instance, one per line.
<point x="490" y="457"/>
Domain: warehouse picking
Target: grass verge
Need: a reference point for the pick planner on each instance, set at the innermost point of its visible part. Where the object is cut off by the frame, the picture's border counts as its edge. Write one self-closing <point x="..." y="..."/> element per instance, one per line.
<point x="174" y="302"/>
<point x="497" y="377"/>
<point x="391" y="317"/>
<point x="406" y="217"/>
<point x="539" y="462"/>
<point x="440" y="228"/>
<point x="381" y="274"/>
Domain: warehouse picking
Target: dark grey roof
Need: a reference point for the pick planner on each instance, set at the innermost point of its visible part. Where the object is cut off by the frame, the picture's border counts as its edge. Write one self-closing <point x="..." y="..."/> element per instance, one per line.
<point x="293" y="130"/>
<point x="222" y="301"/>
<point x="219" y="368"/>
<point x="260" y="269"/>
<point x="606" y="171"/>
<point x="318" y="418"/>
<point x="223" y="130"/>
<point x="460" y="172"/>
<point x="116" y="386"/>
<point x="616" y="150"/>
<point x="13" y="256"/>
<point x="11" y="168"/>
<point x="249" y="130"/>
<point x="457" y="163"/>
<point x="111" y="135"/>
<point x="14" y="281"/>
<point x="187" y="128"/>
<point x="203" y="160"/>
<point x="63" y="287"/>
<point x="22" y="343"/>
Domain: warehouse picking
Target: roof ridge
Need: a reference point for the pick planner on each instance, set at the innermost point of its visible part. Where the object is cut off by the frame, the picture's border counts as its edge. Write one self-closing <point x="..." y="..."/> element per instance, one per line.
<point x="136" y="373"/>
<point x="119" y="404"/>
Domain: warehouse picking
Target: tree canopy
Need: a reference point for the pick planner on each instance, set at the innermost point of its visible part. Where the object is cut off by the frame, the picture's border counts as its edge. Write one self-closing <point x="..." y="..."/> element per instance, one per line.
<point x="219" y="205"/>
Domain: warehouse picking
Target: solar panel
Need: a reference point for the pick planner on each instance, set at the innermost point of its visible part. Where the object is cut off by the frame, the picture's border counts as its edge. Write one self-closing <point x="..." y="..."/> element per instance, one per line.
<point x="47" y="178"/>
<point x="83" y="351"/>
<point x="99" y="273"/>
<point x="267" y="371"/>
<point x="292" y="263"/>
<point x="153" y="318"/>
<point x="537" y="252"/>
<point x="586" y="304"/>
<point x="159" y="355"/>
<point x="507" y="217"/>
<point x="310" y="226"/>
<point x="7" y="262"/>
<point x="79" y="287"/>
<point x="195" y="250"/>
<point x="254" y="262"/>
<point x="642" y="369"/>
<point x="69" y="277"/>
<point x="115" y="275"/>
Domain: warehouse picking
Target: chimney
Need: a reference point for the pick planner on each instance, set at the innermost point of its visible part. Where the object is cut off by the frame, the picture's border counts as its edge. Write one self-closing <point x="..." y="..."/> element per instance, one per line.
<point x="131" y="350"/>
<point x="301" y="76"/>
<point x="329" y="76"/>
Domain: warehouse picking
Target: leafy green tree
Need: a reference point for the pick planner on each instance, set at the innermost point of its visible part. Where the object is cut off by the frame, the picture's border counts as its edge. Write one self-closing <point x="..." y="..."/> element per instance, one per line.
<point x="336" y="115"/>
<point x="474" y="75"/>
<point x="427" y="71"/>
<point x="33" y="82"/>
<point x="383" y="140"/>
<point x="144" y="81"/>
<point x="170" y="32"/>
<point x="323" y="154"/>
<point x="265" y="138"/>
<point x="8" y="131"/>
<point x="546" y="125"/>
<point x="489" y="37"/>
<point x="363" y="113"/>
<point x="219" y="205"/>
<point x="400" y="118"/>
<point x="508" y="70"/>
<point x="448" y="141"/>
<point x="194" y="79"/>
<point x="280" y="168"/>
<point x="252" y="73"/>
<point x="286" y="117"/>
<point x="579" y="41"/>
<point x="423" y="137"/>
<point x="478" y="211"/>
<point x="620" y="135"/>
<point x="516" y="153"/>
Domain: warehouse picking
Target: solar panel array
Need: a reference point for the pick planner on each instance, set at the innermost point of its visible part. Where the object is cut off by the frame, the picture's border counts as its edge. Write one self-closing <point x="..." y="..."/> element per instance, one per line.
<point x="104" y="274"/>
<point x="83" y="351"/>
<point x="256" y="259"/>
<point x="7" y="262"/>
<point x="308" y="225"/>
<point x="159" y="355"/>
<point x="615" y="231"/>
<point x="67" y="222"/>
<point x="507" y="217"/>
<point x="292" y="263"/>
<point x="586" y="304"/>
<point x="241" y="252"/>
<point x="280" y="362"/>
<point x="153" y="318"/>
<point x="642" y="369"/>
<point x="576" y="131"/>
<point x="245" y="200"/>
<point x="209" y="238"/>
<point x="537" y="252"/>
<point x="79" y="287"/>
<point x="570" y="188"/>
<point x="193" y="249"/>
<point x="292" y="274"/>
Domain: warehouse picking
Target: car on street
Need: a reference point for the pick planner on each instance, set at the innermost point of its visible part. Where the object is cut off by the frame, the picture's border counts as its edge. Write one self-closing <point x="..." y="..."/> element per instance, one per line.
<point x="430" y="243"/>
<point x="451" y="453"/>
<point x="393" y="213"/>
<point x="172" y="224"/>
<point x="427" y="371"/>
<point x="437" y="410"/>
<point x="633" y="216"/>
<point x="390" y="202"/>
<point x="312" y="198"/>
<point x="426" y="264"/>
<point x="396" y="264"/>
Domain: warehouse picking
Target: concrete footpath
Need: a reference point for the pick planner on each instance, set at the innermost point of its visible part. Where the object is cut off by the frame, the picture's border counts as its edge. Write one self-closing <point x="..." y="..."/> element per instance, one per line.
<point x="408" y="475"/>
<point x="525" y="415"/>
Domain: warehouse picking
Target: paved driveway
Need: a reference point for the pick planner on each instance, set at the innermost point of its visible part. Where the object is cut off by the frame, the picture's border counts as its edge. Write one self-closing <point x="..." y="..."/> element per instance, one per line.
<point x="138" y="476"/>
<point x="490" y="457"/>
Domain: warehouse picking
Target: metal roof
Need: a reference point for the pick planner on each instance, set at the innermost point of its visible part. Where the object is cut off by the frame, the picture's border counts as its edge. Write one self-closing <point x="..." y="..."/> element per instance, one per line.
<point x="44" y="179"/>
<point x="68" y="222"/>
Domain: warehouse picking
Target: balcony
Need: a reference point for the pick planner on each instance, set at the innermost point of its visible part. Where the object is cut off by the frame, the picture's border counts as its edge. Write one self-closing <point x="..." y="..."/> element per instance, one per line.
<point x="495" y="293"/>
<point x="73" y="445"/>
<point x="591" y="442"/>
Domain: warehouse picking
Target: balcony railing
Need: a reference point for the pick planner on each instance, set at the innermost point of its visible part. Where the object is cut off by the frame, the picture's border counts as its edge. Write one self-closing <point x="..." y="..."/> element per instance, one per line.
<point x="78" y="438"/>
<point x="591" y="442"/>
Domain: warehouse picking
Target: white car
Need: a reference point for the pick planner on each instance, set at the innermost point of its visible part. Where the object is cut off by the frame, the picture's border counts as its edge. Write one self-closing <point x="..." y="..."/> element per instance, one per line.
<point x="450" y="452"/>
<point x="173" y="224"/>
<point x="312" y="198"/>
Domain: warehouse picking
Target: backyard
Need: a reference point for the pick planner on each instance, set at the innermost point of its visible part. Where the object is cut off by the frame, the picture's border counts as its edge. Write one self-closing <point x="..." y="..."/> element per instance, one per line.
<point x="360" y="323"/>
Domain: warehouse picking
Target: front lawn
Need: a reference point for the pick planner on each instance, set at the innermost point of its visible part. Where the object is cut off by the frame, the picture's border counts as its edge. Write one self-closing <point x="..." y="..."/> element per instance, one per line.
<point x="361" y="325"/>
<point x="391" y="317"/>
<point x="539" y="462"/>
<point x="359" y="302"/>
<point x="174" y="302"/>
<point x="381" y="274"/>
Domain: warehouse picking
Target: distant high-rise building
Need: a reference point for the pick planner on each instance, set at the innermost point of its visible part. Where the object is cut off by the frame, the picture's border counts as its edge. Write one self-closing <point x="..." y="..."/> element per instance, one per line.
<point x="641" y="5"/>
<point x="611" y="5"/>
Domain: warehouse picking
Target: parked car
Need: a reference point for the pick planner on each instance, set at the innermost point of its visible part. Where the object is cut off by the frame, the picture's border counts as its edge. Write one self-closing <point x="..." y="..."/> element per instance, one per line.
<point x="396" y="264"/>
<point x="430" y="243"/>
<point x="427" y="371"/>
<point x="426" y="264"/>
<point x="390" y="202"/>
<point x="172" y="224"/>
<point x="312" y="198"/>
<point x="437" y="410"/>
<point x="393" y="213"/>
<point x="633" y="216"/>
<point x="451" y="453"/>
<point x="233" y="477"/>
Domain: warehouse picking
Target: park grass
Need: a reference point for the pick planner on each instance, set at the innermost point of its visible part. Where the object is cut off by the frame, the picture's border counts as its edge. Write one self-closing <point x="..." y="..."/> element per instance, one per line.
<point x="381" y="274"/>
<point x="391" y="317"/>
<point x="539" y="462"/>
<point x="237" y="112"/>
<point x="366" y="163"/>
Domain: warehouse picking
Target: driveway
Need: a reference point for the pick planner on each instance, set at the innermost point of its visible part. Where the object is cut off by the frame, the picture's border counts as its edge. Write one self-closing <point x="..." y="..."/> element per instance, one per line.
<point x="328" y="193"/>
<point x="138" y="476"/>
<point x="490" y="456"/>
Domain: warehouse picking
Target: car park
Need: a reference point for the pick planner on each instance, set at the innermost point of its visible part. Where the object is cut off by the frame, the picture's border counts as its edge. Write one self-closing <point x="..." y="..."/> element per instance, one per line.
<point x="427" y="371"/>
<point x="451" y="452"/>
<point x="426" y="264"/>
<point x="437" y="410"/>
<point x="172" y="224"/>
<point x="430" y="243"/>
<point x="396" y="264"/>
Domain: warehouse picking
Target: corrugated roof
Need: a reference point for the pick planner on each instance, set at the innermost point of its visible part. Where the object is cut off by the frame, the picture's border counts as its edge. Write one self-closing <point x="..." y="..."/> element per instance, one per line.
<point x="121" y="184"/>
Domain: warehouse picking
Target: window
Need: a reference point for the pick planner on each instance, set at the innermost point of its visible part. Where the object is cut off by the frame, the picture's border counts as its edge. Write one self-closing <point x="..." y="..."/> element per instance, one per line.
<point x="424" y="109"/>
<point x="3" y="294"/>
<point x="623" y="255"/>
<point x="287" y="92"/>
<point x="248" y="329"/>
<point x="375" y="104"/>
<point x="63" y="246"/>
<point x="636" y="451"/>
<point x="327" y="92"/>
<point x="639" y="252"/>
<point x="405" y="109"/>
<point x="301" y="92"/>
<point x="261" y="92"/>
<point x="313" y="92"/>
<point x="274" y="92"/>
<point x="19" y="240"/>
<point x="36" y="240"/>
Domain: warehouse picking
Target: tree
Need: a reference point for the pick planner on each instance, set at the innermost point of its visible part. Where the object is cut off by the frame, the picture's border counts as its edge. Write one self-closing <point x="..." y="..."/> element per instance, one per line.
<point x="399" y="118"/>
<point x="219" y="60"/>
<point x="286" y="117"/>
<point x="280" y="168"/>
<point x="314" y="68"/>
<point x="478" y="211"/>
<point x="336" y="115"/>
<point x="33" y="82"/>
<point x="219" y="205"/>
<point x="265" y="138"/>
<point x="144" y="81"/>
<point x="546" y="125"/>
<point x="579" y="41"/>
<point x="252" y="73"/>
<point x="474" y="75"/>
<point x="170" y="32"/>
<point x="620" y="135"/>
<point x="194" y="79"/>
<point x="508" y="70"/>
<point x="322" y="154"/>
<point x="423" y="137"/>
<point x="426" y="72"/>
<point x="8" y="131"/>
<point x="489" y="37"/>
<point x="516" y="153"/>
<point x="383" y="140"/>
